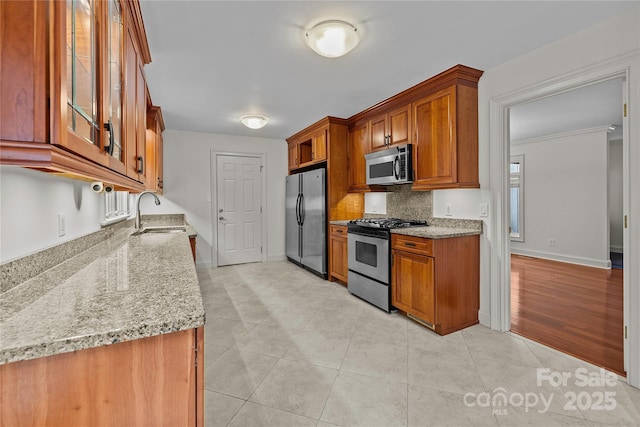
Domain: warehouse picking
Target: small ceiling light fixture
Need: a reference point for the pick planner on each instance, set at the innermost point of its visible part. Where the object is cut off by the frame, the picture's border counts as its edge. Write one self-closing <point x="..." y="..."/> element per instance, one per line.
<point x="254" y="121"/>
<point x="332" y="38"/>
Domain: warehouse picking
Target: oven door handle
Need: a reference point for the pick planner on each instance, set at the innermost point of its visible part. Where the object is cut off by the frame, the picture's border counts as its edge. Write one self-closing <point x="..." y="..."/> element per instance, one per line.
<point x="382" y="235"/>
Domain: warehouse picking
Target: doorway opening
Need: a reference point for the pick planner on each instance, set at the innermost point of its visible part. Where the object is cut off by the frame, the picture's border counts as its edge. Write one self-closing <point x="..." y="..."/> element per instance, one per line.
<point x="500" y="258"/>
<point x="238" y="208"/>
<point x="564" y="293"/>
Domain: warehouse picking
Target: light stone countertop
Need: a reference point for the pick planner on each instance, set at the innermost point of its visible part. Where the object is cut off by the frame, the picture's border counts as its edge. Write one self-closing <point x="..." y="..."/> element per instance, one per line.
<point x="344" y="223"/>
<point x="435" y="232"/>
<point x="124" y="288"/>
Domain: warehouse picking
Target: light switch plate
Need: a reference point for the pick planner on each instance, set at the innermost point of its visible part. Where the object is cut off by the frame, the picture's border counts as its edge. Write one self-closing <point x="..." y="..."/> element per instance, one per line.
<point x="484" y="210"/>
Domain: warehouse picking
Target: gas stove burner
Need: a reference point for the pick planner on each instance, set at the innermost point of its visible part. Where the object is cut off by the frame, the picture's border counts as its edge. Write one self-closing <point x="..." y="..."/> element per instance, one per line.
<point x="387" y="223"/>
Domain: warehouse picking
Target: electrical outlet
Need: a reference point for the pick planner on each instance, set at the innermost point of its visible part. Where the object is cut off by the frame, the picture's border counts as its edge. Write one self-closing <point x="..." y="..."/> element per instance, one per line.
<point x="62" y="226"/>
<point x="484" y="210"/>
<point x="552" y="242"/>
<point x="448" y="210"/>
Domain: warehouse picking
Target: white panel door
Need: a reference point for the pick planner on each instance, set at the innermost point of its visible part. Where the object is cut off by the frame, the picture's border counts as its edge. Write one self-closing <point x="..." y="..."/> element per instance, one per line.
<point x="239" y="213"/>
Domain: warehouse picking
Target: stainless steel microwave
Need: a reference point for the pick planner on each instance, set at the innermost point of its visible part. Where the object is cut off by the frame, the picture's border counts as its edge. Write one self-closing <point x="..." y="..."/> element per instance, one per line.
<point x="391" y="166"/>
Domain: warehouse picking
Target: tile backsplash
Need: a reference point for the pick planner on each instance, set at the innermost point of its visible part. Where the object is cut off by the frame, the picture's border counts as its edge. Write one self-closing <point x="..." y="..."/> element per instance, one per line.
<point x="406" y="204"/>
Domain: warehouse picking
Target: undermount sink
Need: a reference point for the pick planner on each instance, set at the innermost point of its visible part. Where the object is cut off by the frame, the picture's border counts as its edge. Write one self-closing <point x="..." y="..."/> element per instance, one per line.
<point x="162" y="229"/>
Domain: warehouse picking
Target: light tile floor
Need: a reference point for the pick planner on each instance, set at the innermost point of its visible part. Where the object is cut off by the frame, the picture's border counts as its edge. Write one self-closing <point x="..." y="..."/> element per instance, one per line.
<point x="286" y="348"/>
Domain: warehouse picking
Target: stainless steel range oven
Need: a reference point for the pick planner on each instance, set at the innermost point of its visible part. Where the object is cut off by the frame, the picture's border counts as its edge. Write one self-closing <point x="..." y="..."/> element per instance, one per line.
<point x="369" y="257"/>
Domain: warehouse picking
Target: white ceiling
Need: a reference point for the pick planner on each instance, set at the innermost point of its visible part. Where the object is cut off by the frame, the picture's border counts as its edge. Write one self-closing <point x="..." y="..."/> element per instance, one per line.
<point x="587" y="107"/>
<point x="214" y="61"/>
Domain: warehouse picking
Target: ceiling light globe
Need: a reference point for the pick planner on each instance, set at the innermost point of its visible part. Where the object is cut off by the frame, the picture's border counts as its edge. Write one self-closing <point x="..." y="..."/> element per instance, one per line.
<point x="254" y="121"/>
<point x="332" y="39"/>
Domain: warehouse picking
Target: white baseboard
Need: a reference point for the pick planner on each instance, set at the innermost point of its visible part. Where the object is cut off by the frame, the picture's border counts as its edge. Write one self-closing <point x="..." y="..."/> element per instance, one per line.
<point x="619" y="249"/>
<point x="484" y="318"/>
<point x="279" y="257"/>
<point x="589" y="262"/>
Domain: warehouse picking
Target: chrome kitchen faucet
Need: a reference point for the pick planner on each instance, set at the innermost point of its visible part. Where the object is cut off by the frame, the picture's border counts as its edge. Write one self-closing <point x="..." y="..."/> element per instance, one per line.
<point x="138" y="222"/>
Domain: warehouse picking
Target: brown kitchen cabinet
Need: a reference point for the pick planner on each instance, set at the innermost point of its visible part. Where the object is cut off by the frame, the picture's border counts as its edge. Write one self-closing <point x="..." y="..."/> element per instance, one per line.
<point x="330" y="136"/>
<point x="308" y="149"/>
<point x="338" y="251"/>
<point x="293" y="156"/>
<point x="445" y="151"/>
<point x="154" y="149"/>
<point x="392" y="128"/>
<point x="359" y="145"/>
<point x="437" y="281"/>
<point x="150" y="381"/>
<point x="69" y="105"/>
<point x="192" y="243"/>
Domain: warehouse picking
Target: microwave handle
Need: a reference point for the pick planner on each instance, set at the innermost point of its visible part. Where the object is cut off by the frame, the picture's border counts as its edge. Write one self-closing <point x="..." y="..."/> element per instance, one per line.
<point x="396" y="167"/>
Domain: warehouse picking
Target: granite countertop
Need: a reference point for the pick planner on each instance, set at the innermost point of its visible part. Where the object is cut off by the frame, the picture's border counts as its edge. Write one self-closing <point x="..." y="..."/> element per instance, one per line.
<point x="343" y="223"/>
<point x="435" y="232"/>
<point x="125" y="288"/>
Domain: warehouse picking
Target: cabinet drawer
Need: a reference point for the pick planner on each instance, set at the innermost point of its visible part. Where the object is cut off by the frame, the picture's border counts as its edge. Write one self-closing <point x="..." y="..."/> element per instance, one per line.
<point x="337" y="230"/>
<point x="417" y="245"/>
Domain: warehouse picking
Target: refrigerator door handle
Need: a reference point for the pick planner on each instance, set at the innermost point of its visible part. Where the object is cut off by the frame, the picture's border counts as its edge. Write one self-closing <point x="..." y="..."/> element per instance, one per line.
<point x="298" y="209"/>
<point x="302" y="213"/>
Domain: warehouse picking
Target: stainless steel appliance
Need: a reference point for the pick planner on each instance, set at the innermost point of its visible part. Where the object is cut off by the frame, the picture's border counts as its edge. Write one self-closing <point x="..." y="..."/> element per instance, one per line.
<point x="305" y="227"/>
<point x="369" y="245"/>
<point x="391" y="166"/>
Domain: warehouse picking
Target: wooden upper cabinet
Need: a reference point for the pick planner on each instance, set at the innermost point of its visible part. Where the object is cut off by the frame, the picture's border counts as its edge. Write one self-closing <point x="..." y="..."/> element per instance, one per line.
<point x="359" y="143"/>
<point x="154" y="149"/>
<point x="446" y="139"/>
<point x="325" y="144"/>
<point x="293" y="156"/>
<point x="319" y="146"/>
<point x="65" y="88"/>
<point x="308" y="149"/>
<point x="391" y="128"/>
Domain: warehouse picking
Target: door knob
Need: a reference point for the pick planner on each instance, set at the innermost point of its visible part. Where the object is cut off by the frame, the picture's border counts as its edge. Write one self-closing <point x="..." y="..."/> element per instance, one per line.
<point x="221" y="218"/>
<point x="220" y="210"/>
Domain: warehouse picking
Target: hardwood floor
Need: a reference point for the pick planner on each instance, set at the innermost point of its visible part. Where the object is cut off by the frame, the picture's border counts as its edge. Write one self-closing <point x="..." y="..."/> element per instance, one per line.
<point x="572" y="308"/>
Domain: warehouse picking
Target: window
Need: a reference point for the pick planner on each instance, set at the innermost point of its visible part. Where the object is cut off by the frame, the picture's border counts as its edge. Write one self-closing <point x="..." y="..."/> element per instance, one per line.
<point x="116" y="207"/>
<point x="516" y="196"/>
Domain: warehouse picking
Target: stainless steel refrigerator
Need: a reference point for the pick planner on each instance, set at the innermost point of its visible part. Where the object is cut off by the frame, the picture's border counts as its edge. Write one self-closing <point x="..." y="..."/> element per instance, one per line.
<point x="305" y="239"/>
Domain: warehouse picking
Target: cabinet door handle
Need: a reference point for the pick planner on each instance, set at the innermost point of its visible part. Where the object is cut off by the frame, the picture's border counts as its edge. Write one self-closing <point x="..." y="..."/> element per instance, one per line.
<point x="109" y="128"/>
<point x="339" y="231"/>
<point x="140" y="164"/>
<point x="410" y="244"/>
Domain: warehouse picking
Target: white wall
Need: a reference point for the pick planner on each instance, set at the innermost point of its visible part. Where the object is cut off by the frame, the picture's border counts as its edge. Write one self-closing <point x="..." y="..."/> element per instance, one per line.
<point x="615" y="196"/>
<point x="565" y="197"/>
<point x="29" y="205"/>
<point x="187" y="177"/>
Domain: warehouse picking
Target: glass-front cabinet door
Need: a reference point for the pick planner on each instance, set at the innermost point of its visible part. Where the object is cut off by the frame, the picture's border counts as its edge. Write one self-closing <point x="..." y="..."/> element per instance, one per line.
<point x="92" y="34"/>
<point x="115" y="72"/>
<point x="82" y="114"/>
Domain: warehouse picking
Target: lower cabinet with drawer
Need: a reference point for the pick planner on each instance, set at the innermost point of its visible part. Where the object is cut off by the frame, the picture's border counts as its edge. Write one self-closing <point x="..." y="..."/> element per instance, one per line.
<point x="338" y="268"/>
<point x="436" y="282"/>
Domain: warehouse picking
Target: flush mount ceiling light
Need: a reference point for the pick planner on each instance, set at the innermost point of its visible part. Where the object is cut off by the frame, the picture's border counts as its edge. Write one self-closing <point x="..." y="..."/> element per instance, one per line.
<point x="254" y="121"/>
<point x="332" y="38"/>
